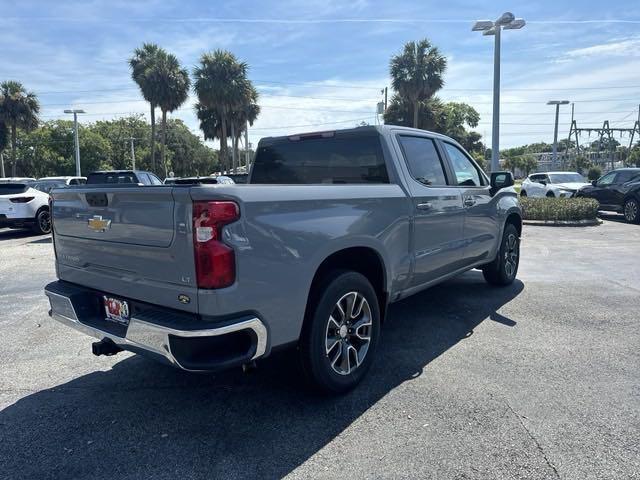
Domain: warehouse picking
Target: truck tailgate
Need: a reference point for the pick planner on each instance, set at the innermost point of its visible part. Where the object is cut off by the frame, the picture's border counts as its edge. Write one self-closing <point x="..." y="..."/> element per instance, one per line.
<point x="133" y="242"/>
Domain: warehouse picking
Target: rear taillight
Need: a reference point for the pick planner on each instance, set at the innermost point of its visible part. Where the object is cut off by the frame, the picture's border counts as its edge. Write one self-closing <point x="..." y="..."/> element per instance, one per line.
<point x="215" y="261"/>
<point x="21" y="199"/>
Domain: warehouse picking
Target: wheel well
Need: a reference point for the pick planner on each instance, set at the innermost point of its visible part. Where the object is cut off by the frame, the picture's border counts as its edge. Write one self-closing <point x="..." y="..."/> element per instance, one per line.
<point x="551" y="194"/>
<point x="363" y="260"/>
<point x="515" y="220"/>
<point x="44" y="207"/>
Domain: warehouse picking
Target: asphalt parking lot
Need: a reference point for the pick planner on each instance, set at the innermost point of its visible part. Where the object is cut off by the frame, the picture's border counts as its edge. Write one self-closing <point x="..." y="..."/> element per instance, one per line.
<point x="537" y="380"/>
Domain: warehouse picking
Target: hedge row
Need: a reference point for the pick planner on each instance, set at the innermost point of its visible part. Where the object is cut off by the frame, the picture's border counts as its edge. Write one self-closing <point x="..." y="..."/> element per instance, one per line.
<point x="559" y="208"/>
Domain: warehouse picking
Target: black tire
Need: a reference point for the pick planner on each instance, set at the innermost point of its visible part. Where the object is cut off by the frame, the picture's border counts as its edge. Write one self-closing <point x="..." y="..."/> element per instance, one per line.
<point x="551" y="195"/>
<point x="43" y="222"/>
<point x="631" y="210"/>
<point x="523" y="193"/>
<point x="319" y="331"/>
<point x="503" y="270"/>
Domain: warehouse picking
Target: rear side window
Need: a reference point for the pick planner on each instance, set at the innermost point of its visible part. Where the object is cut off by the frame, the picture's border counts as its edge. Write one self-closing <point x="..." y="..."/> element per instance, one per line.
<point x="625" y="176"/>
<point x="328" y="160"/>
<point x="423" y="160"/>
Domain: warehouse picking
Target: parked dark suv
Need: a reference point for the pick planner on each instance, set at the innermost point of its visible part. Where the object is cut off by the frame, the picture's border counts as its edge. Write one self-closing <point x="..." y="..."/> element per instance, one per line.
<point x="619" y="191"/>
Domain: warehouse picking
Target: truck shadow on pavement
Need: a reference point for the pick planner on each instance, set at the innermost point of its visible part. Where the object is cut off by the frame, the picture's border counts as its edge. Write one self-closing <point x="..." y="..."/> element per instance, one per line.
<point x="144" y="420"/>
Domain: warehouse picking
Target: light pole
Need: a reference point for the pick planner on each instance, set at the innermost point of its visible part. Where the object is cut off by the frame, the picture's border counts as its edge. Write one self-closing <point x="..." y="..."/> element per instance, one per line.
<point x="557" y="103"/>
<point x="75" y="136"/>
<point x="507" y="21"/>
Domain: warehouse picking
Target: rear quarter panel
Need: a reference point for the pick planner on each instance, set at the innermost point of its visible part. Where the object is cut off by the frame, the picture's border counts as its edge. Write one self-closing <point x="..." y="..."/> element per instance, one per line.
<point x="286" y="232"/>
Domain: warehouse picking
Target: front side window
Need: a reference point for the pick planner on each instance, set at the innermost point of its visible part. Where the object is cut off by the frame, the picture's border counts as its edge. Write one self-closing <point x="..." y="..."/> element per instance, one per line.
<point x="423" y="160"/>
<point x="466" y="172"/>
<point x="607" y="179"/>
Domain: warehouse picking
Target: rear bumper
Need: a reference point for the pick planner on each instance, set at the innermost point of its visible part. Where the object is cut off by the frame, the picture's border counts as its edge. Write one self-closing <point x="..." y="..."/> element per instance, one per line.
<point x="15" y="222"/>
<point x="171" y="337"/>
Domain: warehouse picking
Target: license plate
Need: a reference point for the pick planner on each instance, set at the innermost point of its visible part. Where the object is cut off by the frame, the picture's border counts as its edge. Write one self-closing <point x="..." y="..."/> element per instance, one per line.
<point x="116" y="310"/>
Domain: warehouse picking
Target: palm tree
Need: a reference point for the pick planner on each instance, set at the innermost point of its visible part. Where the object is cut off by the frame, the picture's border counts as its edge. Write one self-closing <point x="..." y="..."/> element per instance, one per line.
<point x="170" y="83"/>
<point x="417" y="72"/>
<point x="18" y="109"/>
<point x="222" y="86"/>
<point x="140" y="63"/>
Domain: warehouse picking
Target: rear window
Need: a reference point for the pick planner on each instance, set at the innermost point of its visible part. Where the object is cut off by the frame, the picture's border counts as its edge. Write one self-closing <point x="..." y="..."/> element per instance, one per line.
<point x="111" y="177"/>
<point x="328" y="160"/>
<point x="12" y="188"/>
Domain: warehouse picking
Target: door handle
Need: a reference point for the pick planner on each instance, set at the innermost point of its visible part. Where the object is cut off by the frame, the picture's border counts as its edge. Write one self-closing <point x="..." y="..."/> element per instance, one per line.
<point x="424" y="206"/>
<point x="469" y="202"/>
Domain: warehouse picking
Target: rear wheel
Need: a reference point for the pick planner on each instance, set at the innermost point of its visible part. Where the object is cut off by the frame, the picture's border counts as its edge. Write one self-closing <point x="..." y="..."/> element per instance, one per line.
<point x="43" y="222"/>
<point x="631" y="210"/>
<point x="341" y="333"/>
<point x="551" y="195"/>
<point x="502" y="271"/>
<point x="523" y="193"/>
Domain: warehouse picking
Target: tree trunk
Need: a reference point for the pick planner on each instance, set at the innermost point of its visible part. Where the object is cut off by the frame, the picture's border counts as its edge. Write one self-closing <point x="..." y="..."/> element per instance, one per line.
<point x="164" y="141"/>
<point x="14" y="139"/>
<point x="153" y="138"/>
<point x="416" y="105"/>
<point x="236" y="142"/>
<point x="223" y="144"/>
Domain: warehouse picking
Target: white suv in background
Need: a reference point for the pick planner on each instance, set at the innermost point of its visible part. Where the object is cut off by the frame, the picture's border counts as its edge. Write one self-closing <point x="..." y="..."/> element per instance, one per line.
<point x="552" y="184"/>
<point x="21" y="206"/>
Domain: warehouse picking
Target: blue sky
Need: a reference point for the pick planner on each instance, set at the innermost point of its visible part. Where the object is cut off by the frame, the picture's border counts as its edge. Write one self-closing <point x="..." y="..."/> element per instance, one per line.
<point x="321" y="64"/>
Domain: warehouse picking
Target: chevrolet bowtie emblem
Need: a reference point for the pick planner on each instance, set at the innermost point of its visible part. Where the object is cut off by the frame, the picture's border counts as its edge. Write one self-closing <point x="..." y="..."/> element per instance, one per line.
<point x="98" y="224"/>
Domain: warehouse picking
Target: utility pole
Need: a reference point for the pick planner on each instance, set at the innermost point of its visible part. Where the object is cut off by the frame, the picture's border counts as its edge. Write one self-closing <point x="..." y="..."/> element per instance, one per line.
<point x="507" y="21"/>
<point x="557" y="103"/>
<point x="75" y="113"/>
<point x="233" y="148"/>
<point x="1" y="165"/>
<point x="385" y="99"/>
<point x="246" y="146"/>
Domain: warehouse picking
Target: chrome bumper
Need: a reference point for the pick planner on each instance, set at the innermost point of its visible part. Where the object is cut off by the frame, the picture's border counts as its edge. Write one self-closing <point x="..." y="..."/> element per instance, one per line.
<point x="142" y="335"/>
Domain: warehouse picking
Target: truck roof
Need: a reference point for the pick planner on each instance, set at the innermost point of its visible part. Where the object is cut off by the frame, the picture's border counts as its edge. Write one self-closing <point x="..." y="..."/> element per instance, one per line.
<point x="356" y="130"/>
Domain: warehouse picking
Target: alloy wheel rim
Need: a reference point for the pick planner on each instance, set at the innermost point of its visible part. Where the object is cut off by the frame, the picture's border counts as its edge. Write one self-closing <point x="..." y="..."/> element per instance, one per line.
<point x="631" y="210"/>
<point x="348" y="333"/>
<point x="44" y="221"/>
<point x="511" y="255"/>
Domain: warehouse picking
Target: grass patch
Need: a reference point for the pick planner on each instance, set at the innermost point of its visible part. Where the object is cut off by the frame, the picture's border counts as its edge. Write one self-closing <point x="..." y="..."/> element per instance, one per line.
<point x="559" y="209"/>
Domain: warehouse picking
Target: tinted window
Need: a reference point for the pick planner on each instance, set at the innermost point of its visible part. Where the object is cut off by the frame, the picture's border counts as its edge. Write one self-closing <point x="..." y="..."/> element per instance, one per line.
<point x="47" y="185"/>
<point x="626" y="176"/>
<point x="423" y="160"/>
<point x="466" y="172"/>
<point x="332" y="160"/>
<point x="12" y="188"/>
<point x="111" y="177"/>
<point x="143" y="178"/>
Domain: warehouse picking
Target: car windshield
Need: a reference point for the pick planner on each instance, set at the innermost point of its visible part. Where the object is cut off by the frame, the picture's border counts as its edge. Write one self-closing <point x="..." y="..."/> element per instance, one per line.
<point x="566" y="178"/>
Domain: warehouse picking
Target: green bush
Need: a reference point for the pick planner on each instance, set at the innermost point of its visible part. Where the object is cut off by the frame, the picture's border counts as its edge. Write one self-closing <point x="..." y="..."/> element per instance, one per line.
<point x="595" y="173"/>
<point x="553" y="209"/>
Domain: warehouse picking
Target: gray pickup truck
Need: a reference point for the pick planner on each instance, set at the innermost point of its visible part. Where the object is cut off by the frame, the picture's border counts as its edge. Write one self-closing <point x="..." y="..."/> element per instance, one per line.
<point x="331" y="228"/>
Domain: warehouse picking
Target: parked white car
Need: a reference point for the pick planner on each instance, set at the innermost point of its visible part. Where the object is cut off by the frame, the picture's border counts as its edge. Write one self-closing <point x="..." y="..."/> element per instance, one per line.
<point x="552" y="184"/>
<point x="22" y="206"/>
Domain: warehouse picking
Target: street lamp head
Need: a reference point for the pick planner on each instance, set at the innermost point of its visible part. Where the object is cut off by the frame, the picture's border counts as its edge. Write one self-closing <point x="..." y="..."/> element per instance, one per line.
<point x="517" y="24"/>
<point x="558" y="102"/>
<point x="491" y="31"/>
<point x="482" y="25"/>
<point x="78" y="110"/>
<point x="68" y="111"/>
<point x="505" y="18"/>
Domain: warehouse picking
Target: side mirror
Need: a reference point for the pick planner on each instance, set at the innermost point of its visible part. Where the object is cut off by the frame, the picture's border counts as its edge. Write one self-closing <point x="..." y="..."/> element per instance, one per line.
<point x="594" y="183"/>
<point x="501" y="180"/>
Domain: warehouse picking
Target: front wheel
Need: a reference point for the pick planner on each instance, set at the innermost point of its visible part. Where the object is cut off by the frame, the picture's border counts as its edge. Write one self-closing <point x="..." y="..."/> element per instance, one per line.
<point x="523" y="193"/>
<point x="502" y="271"/>
<point x="43" y="222"/>
<point x="631" y="210"/>
<point x="341" y="332"/>
<point x="551" y="195"/>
